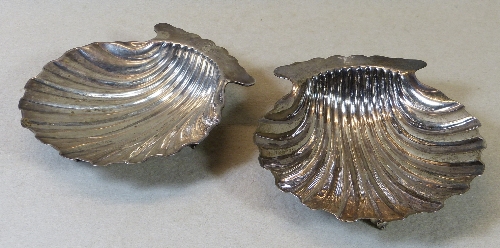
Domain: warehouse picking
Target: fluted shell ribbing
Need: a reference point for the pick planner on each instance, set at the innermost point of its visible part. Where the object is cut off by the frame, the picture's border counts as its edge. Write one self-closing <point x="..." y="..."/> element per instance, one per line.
<point x="365" y="142"/>
<point x="124" y="101"/>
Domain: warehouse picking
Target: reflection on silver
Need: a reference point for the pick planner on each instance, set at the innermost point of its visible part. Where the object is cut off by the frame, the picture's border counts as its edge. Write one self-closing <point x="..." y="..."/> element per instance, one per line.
<point x="111" y="102"/>
<point x="362" y="138"/>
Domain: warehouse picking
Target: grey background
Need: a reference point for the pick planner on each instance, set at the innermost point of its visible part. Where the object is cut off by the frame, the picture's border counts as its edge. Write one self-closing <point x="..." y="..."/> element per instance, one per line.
<point x="217" y="195"/>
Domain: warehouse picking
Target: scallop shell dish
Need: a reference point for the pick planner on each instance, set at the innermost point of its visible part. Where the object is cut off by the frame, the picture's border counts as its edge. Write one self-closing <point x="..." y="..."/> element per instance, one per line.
<point x="362" y="138"/>
<point x="122" y="102"/>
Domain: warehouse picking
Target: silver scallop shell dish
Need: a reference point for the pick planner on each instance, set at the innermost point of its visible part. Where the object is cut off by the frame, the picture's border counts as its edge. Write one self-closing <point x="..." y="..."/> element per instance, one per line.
<point x="362" y="138"/>
<point x="122" y="102"/>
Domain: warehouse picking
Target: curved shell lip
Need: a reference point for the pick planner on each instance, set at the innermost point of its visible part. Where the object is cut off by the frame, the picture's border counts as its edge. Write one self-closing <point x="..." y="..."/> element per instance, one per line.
<point x="25" y="124"/>
<point x="227" y="66"/>
<point x="276" y="154"/>
<point x="301" y="71"/>
<point x="361" y="218"/>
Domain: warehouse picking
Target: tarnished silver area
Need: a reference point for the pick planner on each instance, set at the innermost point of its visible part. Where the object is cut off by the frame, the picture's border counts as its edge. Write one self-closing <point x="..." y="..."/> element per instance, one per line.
<point x="362" y="138"/>
<point x="111" y="102"/>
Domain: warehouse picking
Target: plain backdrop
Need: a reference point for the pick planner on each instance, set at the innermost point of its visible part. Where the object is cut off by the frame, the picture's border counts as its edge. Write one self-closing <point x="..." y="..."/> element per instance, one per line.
<point x="217" y="195"/>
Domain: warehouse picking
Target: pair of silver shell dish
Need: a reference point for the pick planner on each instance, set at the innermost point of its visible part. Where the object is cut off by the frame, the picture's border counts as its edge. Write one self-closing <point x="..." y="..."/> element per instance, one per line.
<point x="359" y="137"/>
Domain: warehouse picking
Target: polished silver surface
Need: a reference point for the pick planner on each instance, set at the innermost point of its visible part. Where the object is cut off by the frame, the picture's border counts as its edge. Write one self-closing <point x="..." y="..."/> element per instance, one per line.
<point x="362" y="138"/>
<point x="112" y="102"/>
